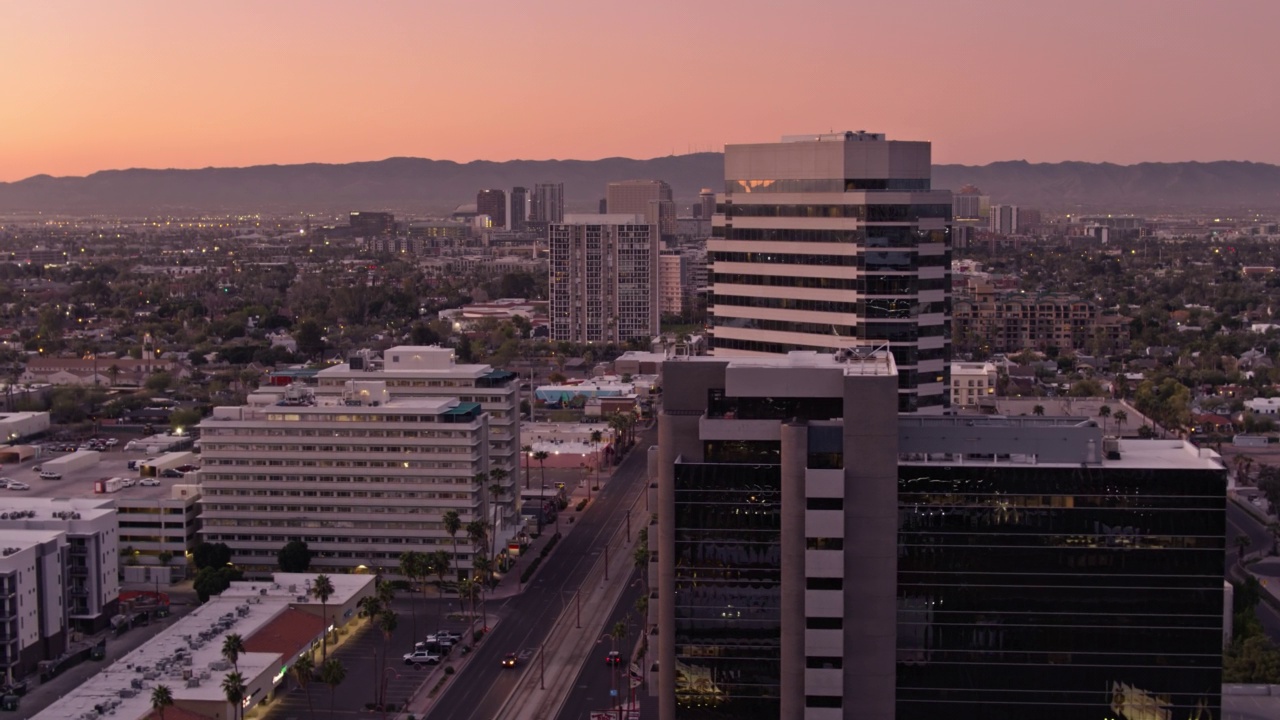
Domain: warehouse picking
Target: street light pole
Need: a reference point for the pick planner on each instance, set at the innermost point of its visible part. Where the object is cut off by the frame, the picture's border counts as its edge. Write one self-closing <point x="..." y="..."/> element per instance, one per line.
<point x="542" y="665"/>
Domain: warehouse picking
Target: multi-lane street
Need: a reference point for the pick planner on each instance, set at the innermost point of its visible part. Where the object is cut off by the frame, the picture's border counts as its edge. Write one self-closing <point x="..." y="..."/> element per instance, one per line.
<point x="482" y="687"/>
<point x="595" y="680"/>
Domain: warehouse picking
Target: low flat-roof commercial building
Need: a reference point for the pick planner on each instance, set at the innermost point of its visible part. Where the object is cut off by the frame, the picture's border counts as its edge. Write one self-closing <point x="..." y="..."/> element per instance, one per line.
<point x="361" y="478"/>
<point x="278" y="620"/>
<point x="819" y="556"/>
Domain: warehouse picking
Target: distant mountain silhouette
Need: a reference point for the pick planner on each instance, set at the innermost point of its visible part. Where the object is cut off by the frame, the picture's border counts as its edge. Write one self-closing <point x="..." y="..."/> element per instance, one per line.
<point x="419" y="186"/>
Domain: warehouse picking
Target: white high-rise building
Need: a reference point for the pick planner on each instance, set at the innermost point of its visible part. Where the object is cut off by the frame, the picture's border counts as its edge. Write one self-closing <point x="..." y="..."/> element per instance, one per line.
<point x="833" y="241"/>
<point x="1004" y="219"/>
<point x="673" y="282"/>
<point x="604" y="279"/>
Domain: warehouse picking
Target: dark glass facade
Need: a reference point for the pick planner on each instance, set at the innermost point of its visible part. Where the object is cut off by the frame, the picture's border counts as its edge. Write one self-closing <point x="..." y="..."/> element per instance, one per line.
<point x="1059" y="593"/>
<point x="727" y="578"/>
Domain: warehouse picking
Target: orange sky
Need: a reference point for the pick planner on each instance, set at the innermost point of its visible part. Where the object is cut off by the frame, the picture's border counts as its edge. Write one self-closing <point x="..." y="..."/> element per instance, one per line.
<point x="96" y="85"/>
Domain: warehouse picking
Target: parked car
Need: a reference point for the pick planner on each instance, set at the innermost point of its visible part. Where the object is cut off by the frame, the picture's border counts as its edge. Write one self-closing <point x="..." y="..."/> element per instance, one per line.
<point x="421" y="657"/>
<point x="128" y="482"/>
<point x="613" y="658"/>
<point x="509" y="660"/>
<point x="50" y="475"/>
<point x="4" y="482"/>
<point x="171" y="473"/>
<point x="188" y="468"/>
<point x="133" y="465"/>
<point x="442" y="639"/>
<point x="112" y="442"/>
<point x="455" y="637"/>
<point x="148" y="482"/>
<point x="17" y="485"/>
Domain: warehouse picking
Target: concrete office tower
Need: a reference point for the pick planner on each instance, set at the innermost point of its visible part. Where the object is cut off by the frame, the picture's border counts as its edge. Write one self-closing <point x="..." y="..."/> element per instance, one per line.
<point x="548" y="204"/>
<point x="494" y="204"/>
<point x="604" y="279"/>
<point x="707" y="201"/>
<point x="776" y="543"/>
<point x="649" y="198"/>
<point x="519" y="208"/>
<point x="1004" y="219"/>
<point x="832" y="241"/>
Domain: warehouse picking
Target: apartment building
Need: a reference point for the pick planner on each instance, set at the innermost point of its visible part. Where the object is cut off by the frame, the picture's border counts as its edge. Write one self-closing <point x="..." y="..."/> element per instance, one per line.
<point x="650" y="199"/>
<point x="991" y="321"/>
<point x="33" y="618"/>
<point x="973" y="384"/>
<point x="89" y="553"/>
<point x="361" y="477"/>
<point x="820" y="556"/>
<point x="824" y="242"/>
<point x="673" y="282"/>
<point x="604" y="279"/>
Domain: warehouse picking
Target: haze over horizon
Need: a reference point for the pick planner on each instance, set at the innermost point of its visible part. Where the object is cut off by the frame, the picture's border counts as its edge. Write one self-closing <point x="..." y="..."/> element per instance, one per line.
<point x="159" y="85"/>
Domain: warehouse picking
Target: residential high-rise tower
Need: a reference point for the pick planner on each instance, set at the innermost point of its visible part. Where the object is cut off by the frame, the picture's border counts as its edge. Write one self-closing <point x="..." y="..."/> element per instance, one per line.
<point x="604" y="278"/>
<point x="519" y="208"/>
<point x="494" y="204"/>
<point x="548" y="204"/>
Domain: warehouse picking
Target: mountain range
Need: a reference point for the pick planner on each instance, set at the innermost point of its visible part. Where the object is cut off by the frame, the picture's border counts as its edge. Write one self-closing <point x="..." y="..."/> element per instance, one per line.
<point x="421" y="186"/>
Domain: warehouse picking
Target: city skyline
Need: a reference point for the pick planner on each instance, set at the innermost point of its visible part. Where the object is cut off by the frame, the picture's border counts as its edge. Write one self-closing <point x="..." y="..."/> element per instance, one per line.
<point x="102" y="89"/>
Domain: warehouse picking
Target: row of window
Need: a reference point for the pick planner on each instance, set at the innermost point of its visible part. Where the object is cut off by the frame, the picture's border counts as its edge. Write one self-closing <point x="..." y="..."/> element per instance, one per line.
<point x="812" y="185"/>
<point x="207" y="478"/>
<point x="884" y="212"/>
<point x="311" y="432"/>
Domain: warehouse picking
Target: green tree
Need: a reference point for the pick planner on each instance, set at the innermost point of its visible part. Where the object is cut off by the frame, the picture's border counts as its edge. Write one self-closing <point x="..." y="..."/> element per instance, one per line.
<point x="161" y="698"/>
<point x="310" y="338"/>
<point x="1104" y="412"/>
<point x="185" y="418"/>
<point x="212" y="581"/>
<point x="1038" y="411"/>
<point x="232" y="647"/>
<point x="159" y="382"/>
<point x="294" y="557"/>
<point x="1121" y="417"/>
<point x="322" y="590"/>
<point x="211" y="555"/>
<point x="1252" y="660"/>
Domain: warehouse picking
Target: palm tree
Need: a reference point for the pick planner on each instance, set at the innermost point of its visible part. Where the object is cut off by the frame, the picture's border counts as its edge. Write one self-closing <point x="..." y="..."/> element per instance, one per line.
<point x="370" y="606"/>
<point x="496" y="491"/>
<point x="596" y="437"/>
<point x="332" y="673"/>
<point x="1121" y="417"/>
<point x="415" y="566"/>
<point x="161" y="698"/>
<point x="304" y="669"/>
<point x="618" y="633"/>
<point x="113" y="372"/>
<point x="1038" y="410"/>
<point x="322" y="590"/>
<point x="478" y="534"/>
<point x="232" y="647"/>
<point x="541" y="456"/>
<point x="1243" y="542"/>
<point x="438" y="562"/>
<point x="234" y="688"/>
<point x="1104" y="412"/>
<point x="387" y="622"/>
<point x="1274" y="527"/>
<point x="452" y="524"/>
<point x="527" y="451"/>
<point x="467" y="593"/>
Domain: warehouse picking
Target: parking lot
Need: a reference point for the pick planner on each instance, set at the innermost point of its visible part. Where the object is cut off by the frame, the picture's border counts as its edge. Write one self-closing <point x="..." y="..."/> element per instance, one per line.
<point x="113" y="462"/>
<point x="363" y="675"/>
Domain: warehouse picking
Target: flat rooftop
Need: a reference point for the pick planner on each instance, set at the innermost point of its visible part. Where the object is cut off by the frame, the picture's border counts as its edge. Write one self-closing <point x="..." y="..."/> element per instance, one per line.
<point x="194" y="644"/>
<point x="853" y="361"/>
<point x="79" y="483"/>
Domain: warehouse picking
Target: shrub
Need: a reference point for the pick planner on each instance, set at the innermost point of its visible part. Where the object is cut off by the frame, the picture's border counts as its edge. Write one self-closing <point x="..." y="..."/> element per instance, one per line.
<point x="475" y="636"/>
<point x="528" y="572"/>
<point x="448" y="670"/>
<point x="581" y="504"/>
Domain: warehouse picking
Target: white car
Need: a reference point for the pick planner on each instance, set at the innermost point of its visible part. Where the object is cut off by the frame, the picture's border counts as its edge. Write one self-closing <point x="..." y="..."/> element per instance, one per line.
<point x="16" y="485"/>
<point x="421" y="657"/>
<point x="4" y="482"/>
<point x="50" y="475"/>
<point x="128" y="482"/>
<point x="149" y="482"/>
<point x="112" y="442"/>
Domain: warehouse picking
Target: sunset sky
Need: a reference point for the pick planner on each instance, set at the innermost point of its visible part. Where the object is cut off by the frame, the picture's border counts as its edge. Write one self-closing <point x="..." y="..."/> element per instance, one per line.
<point x="92" y="85"/>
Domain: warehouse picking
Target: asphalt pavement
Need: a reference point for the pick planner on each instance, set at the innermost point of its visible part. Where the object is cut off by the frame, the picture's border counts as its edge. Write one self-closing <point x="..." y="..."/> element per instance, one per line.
<point x="596" y="679"/>
<point x="483" y="686"/>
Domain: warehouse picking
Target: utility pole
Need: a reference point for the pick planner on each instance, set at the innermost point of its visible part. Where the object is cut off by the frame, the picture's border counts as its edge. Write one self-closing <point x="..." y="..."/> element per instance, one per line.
<point x="542" y="665"/>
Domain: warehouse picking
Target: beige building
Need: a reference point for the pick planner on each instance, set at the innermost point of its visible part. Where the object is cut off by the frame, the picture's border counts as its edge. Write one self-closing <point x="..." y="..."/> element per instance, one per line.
<point x="651" y="199"/>
<point x="604" y="279"/>
<point x="673" y="282"/>
<point x="973" y="384"/>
